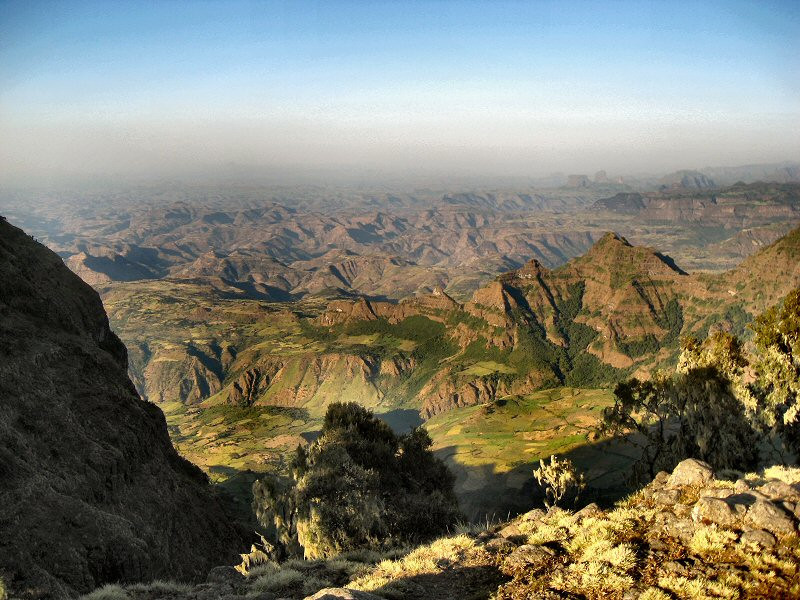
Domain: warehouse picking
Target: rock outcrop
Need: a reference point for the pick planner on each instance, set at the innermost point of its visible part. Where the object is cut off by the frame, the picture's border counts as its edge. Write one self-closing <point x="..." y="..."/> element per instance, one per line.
<point x="689" y="528"/>
<point x="91" y="489"/>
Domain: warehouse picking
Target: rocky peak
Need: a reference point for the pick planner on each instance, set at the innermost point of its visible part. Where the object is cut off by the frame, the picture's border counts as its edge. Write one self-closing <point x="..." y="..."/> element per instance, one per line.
<point x="532" y="269"/>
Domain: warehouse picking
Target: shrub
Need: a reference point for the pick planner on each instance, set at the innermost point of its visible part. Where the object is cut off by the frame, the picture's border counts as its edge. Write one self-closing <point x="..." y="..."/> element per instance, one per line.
<point x="358" y="485"/>
<point x="560" y="480"/>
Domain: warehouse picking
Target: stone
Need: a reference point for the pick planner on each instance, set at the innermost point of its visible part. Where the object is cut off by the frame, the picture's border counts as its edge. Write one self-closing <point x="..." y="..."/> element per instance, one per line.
<point x="499" y="546"/>
<point x="765" y="515"/>
<point x="715" y="492"/>
<point x="225" y="575"/>
<point x="342" y="594"/>
<point x="510" y="531"/>
<point x="537" y="514"/>
<point x="714" y="510"/>
<point x="667" y="497"/>
<point x="759" y="537"/>
<point x="532" y="558"/>
<point x="691" y="472"/>
<point x="660" y="480"/>
<point x="779" y="490"/>
<point x="741" y="486"/>
<point x="590" y="510"/>
<point x="682" y="529"/>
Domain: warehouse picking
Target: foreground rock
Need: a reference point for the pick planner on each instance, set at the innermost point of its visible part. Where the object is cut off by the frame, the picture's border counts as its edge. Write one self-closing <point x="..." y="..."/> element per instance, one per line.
<point x="687" y="535"/>
<point x="91" y="489"/>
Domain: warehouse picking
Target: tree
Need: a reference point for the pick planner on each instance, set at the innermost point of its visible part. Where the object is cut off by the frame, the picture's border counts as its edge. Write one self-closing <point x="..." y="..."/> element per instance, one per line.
<point x="357" y="485"/>
<point x="777" y="366"/>
<point x="700" y="411"/>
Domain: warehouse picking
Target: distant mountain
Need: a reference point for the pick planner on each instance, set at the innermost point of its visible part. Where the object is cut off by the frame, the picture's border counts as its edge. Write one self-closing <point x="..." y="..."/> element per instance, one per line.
<point x="785" y="172"/>
<point x="91" y="489"/>
<point x="686" y="180"/>
<point x="616" y="310"/>
<point x="244" y="382"/>
<point x="737" y="206"/>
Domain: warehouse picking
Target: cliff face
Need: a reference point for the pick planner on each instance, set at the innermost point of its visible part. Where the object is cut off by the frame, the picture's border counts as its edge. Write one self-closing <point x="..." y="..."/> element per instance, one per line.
<point x="91" y="489"/>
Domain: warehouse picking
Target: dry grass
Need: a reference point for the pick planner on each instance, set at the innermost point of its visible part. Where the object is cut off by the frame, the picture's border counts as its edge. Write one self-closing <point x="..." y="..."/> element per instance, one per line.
<point x="712" y="541"/>
<point x="281" y="581"/>
<point x="110" y="591"/>
<point x="429" y="559"/>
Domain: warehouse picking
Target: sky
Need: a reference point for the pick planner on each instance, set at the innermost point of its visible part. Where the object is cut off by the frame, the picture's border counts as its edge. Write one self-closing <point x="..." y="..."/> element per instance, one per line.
<point x="494" y="88"/>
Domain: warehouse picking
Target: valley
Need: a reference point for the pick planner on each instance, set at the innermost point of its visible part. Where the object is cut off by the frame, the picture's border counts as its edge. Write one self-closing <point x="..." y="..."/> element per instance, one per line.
<point x="246" y="314"/>
<point x="243" y="381"/>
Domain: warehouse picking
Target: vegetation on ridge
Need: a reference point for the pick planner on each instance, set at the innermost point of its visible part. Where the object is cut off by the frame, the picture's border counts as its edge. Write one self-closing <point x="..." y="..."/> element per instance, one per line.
<point x="357" y="485"/>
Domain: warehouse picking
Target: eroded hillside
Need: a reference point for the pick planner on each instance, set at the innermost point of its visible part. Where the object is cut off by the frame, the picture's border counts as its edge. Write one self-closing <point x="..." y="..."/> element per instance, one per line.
<point x="242" y="382"/>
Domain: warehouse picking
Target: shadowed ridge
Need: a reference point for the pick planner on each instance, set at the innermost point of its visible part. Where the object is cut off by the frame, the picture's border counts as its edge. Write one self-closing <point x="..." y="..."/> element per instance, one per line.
<point x="91" y="489"/>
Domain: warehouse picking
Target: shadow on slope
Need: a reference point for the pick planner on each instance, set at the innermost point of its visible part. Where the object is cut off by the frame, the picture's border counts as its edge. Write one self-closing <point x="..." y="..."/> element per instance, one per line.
<point x="486" y="493"/>
<point x="454" y="583"/>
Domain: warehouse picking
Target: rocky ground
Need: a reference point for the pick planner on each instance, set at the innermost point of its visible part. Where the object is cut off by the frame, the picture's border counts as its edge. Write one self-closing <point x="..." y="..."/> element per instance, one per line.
<point x="689" y="535"/>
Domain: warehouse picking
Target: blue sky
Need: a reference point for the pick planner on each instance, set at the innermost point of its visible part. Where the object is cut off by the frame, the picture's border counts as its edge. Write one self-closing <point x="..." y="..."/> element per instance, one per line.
<point x="509" y="88"/>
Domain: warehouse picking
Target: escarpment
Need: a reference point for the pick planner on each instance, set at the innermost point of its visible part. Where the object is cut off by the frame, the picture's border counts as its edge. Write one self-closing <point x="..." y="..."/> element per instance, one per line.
<point x="91" y="489"/>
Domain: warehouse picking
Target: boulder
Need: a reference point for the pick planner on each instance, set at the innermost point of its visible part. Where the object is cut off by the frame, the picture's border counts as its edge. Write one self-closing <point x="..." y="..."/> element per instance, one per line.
<point x="537" y="514"/>
<point x="691" y="472"/>
<point x="714" y="510"/>
<point x="532" y="558"/>
<point x="499" y="545"/>
<point x="765" y="515"/>
<point x="667" y="497"/>
<point x="590" y="510"/>
<point x="510" y="531"/>
<point x="778" y="490"/>
<point x="759" y="537"/>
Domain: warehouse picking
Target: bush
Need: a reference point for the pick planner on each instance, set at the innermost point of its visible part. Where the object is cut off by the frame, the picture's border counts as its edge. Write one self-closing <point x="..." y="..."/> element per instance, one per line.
<point x="693" y="413"/>
<point x="358" y="485"/>
<point x="560" y="480"/>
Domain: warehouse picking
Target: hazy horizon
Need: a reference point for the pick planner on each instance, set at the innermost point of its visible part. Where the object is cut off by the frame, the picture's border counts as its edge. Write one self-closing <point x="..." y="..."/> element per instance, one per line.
<point x="439" y="89"/>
